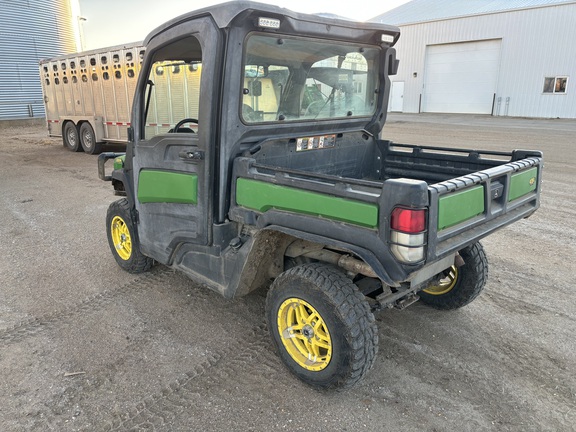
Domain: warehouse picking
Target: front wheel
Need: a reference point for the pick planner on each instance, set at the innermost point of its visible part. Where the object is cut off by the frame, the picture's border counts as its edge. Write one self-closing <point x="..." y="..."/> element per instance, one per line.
<point x="460" y="285"/>
<point x="321" y="326"/>
<point x="123" y="238"/>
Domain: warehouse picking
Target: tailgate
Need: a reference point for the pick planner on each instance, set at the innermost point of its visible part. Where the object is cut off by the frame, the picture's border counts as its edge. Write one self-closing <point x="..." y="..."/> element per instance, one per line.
<point x="468" y="208"/>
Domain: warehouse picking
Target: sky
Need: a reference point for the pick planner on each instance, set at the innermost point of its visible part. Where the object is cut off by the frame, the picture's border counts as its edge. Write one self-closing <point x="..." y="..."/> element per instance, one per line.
<point x="115" y="22"/>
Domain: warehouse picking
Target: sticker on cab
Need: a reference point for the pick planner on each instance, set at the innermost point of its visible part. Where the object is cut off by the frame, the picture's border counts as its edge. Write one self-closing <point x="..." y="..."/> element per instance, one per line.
<point x="315" y="143"/>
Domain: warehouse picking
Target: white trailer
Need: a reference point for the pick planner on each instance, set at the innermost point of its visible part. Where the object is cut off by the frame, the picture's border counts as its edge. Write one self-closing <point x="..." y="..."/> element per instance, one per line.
<point x="88" y="95"/>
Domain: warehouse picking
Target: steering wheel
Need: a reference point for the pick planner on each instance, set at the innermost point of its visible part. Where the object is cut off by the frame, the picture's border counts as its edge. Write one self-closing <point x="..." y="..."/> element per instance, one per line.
<point x="183" y="122"/>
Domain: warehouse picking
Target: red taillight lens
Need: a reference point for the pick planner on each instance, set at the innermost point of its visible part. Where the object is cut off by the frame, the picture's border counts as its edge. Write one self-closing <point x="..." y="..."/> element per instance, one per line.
<point x="408" y="220"/>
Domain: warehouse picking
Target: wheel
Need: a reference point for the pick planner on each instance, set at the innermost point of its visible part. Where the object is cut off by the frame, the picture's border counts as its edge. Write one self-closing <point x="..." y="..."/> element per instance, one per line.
<point x="88" y="139"/>
<point x="70" y="137"/>
<point x="321" y="326"/>
<point x="460" y="285"/>
<point x="123" y="238"/>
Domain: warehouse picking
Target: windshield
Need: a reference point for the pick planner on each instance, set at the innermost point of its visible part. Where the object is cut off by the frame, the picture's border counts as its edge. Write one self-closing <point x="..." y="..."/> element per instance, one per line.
<point x="289" y="79"/>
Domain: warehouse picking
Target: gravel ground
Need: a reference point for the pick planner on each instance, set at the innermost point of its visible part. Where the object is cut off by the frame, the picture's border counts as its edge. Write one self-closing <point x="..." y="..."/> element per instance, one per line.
<point x="86" y="346"/>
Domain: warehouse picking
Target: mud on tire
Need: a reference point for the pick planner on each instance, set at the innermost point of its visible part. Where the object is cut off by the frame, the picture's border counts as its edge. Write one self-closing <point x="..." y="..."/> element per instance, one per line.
<point x="321" y="326"/>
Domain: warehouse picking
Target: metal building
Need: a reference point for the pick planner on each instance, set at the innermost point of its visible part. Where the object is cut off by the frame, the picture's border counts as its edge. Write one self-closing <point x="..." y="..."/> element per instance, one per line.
<point x="31" y="30"/>
<point x="499" y="57"/>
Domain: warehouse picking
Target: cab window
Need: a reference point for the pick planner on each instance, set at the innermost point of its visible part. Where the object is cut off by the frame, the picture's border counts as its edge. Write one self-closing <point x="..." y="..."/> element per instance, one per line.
<point x="173" y="89"/>
<point x="291" y="79"/>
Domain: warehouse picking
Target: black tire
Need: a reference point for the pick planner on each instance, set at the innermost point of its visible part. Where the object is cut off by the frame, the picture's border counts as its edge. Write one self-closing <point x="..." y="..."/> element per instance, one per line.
<point x="123" y="238"/>
<point x="340" y="320"/>
<point x="88" y="139"/>
<point x="461" y="284"/>
<point x="71" y="137"/>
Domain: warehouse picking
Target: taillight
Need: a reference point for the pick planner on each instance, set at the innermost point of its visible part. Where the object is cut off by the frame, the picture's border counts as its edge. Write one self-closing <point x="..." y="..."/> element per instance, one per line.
<point x="407" y="234"/>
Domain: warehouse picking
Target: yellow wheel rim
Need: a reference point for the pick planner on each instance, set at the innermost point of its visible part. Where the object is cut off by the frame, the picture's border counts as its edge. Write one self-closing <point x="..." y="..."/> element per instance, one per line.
<point x="304" y="334"/>
<point x="446" y="284"/>
<point x="121" y="238"/>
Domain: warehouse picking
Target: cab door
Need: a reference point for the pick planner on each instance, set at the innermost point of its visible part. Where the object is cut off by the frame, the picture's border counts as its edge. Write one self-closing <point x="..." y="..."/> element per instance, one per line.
<point x="172" y="152"/>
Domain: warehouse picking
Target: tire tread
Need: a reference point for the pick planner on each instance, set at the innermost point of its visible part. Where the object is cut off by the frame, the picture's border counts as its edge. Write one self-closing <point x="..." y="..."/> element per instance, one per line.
<point x="352" y="308"/>
<point x="138" y="262"/>
<point x="471" y="285"/>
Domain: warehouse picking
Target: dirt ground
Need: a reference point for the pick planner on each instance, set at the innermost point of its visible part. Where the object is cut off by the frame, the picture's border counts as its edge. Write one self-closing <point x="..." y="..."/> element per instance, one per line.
<point x="85" y="346"/>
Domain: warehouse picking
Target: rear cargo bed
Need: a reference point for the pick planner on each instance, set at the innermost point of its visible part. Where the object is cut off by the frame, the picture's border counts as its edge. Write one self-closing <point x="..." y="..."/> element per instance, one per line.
<point x="467" y="193"/>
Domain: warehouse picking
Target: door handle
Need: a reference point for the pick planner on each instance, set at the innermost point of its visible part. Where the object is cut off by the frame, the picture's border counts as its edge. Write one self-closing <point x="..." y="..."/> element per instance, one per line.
<point x="191" y="155"/>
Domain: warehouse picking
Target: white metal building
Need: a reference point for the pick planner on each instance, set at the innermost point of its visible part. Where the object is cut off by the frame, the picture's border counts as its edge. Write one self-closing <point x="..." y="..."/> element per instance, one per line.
<point x="32" y="30"/>
<point x="500" y="57"/>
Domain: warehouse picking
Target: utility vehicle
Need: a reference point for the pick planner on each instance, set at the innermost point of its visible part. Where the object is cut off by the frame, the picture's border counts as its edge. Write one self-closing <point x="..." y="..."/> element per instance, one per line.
<point x="265" y="166"/>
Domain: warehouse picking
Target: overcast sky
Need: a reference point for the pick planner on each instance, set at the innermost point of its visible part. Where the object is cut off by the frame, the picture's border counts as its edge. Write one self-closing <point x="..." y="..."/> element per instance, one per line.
<point x="114" y="22"/>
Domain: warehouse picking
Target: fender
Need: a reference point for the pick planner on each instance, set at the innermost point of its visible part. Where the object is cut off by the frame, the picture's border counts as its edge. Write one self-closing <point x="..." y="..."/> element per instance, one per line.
<point x="118" y="176"/>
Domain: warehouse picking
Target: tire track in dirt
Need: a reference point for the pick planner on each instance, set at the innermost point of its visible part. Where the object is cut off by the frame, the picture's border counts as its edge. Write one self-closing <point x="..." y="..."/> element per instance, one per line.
<point x="236" y="362"/>
<point x="513" y="285"/>
<point x="518" y="365"/>
<point x="30" y="327"/>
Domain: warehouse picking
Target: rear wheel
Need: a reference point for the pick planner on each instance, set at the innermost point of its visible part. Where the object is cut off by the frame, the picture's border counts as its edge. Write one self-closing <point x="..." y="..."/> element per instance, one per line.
<point x="88" y="139"/>
<point x="123" y="238"/>
<point x="460" y="285"/>
<point x="322" y="326"/>
<point x="70" y="137"/>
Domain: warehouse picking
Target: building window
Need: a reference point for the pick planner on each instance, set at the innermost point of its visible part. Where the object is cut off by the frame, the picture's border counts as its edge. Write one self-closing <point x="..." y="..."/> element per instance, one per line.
<point x="555" y="85"/>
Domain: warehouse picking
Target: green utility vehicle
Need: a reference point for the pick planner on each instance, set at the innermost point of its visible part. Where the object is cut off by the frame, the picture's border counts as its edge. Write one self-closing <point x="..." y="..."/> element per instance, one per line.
<point x="275" y="173"/>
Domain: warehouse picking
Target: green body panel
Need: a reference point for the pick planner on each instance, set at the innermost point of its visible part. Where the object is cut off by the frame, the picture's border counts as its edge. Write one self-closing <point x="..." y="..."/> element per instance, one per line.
<point x="155" y="186"/>
<point x="262" y="196"/>
<point x="522" y="183"/>
<point x="119" y="162"/>
<point x="460" y="206"/>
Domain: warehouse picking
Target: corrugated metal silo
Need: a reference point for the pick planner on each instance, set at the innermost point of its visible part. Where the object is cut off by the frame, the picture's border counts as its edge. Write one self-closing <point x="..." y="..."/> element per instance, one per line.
<point x="31" y="30"/>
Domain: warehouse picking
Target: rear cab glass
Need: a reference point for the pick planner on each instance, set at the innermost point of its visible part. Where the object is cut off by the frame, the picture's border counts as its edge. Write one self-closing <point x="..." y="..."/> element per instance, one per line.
<point x="296" y="79"/>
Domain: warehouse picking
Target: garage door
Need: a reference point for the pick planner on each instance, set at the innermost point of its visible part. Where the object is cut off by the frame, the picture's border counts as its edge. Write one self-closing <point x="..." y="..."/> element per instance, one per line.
<point x="461" y="77"/>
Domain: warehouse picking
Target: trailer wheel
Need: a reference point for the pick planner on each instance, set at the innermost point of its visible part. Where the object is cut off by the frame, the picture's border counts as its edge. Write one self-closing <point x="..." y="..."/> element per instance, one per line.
<point x="322" y="326"/>
<point x="88" y="139"/>
<point x="123" y="238"/>
<point x="70" y="137"/>
<point x="460" y="285"/>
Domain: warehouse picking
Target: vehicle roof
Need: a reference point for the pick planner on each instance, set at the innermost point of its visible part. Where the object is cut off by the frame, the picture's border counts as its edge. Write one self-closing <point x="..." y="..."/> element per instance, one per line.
<point x="223" y="14"/>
